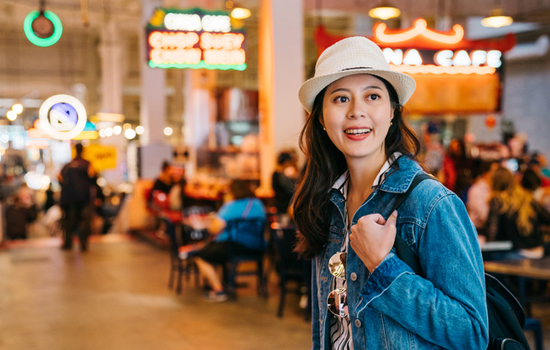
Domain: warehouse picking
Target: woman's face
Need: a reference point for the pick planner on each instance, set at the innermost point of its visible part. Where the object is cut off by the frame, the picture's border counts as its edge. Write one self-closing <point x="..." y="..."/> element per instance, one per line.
<point x="357" y="114"/>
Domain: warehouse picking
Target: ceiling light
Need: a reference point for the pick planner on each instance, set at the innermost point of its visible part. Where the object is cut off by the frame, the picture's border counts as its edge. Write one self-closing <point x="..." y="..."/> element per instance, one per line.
<point x="384" y="11"/>
<point x="11" y="115"/>
<point x="140" y="129"/>
<point x="168" y="131"/>
<point x="240" y="13"/>
<point x="129" y="134"/>
<point x="496" y="19"/>
<point x="17" y="108"/>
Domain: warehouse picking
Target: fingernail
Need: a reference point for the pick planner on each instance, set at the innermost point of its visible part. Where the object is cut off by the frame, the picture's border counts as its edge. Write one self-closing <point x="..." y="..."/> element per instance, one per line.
<point x="394" y="213"/>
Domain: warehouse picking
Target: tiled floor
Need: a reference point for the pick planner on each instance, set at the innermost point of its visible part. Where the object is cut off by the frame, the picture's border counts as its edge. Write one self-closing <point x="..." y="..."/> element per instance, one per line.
<point x="115" y="296"/>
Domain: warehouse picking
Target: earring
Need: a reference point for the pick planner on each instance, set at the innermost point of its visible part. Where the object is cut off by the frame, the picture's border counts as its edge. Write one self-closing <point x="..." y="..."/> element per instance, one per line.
<point x="324" y="129"/>
<point x="391" y="123"/>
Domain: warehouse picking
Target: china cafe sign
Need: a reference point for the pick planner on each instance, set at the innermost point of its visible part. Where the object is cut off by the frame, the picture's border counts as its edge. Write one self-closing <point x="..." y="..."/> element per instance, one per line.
<point x="421" y="50"/>
<point x="194" y="39"/>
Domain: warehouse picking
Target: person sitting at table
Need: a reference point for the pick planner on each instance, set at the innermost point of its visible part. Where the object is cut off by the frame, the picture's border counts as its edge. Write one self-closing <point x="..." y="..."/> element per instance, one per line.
<point x="478" y="198"/>
<point x="244" y="205"/>
<point x="284" y="180"/>
<point x="163" y="183"/>
<point x="515" y="216"/>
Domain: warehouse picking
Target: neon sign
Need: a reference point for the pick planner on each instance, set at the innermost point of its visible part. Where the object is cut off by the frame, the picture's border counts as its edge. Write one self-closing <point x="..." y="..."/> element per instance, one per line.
<point x="423" y="43"/>
<point x="37" y="23"/>
<point x="62" y="117"/>
<point x="420" y="28"/>
<point x="447" y="58"/>
<point x="194" y="39"/>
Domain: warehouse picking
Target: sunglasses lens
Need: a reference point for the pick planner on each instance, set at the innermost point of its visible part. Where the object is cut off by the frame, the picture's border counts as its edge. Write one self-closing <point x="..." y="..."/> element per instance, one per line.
<point x="338" y="302"/>
<point x="337" y="265"/>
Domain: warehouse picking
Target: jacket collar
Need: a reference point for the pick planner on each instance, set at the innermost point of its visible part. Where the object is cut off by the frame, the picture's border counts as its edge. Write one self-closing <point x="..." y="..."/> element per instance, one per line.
<point x="397" y="179"/>
<point x="401" y="175"/>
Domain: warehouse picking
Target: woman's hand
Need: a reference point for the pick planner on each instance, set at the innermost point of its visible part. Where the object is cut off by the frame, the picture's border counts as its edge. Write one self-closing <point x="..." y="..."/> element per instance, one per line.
<point x="372" y="238"/>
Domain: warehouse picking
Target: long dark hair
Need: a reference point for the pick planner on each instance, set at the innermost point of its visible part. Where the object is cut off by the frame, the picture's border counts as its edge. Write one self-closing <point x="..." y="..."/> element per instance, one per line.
<point x="325" y="163"/>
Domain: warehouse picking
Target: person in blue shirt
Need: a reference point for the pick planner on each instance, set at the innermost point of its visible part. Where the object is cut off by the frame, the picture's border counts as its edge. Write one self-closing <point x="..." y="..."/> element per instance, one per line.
<point x="360" y="156"/>
<point x="244" y="205"/>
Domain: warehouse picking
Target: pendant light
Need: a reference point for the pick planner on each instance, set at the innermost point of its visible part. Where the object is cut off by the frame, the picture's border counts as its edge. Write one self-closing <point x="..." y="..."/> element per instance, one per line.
<point x="496" y="18"/>
<point x="384" y="11"/>
<point x="236" y="11"/>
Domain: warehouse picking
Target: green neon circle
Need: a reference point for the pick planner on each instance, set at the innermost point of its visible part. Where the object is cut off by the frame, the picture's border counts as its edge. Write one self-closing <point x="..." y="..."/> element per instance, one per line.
<point x="43" y="42"/>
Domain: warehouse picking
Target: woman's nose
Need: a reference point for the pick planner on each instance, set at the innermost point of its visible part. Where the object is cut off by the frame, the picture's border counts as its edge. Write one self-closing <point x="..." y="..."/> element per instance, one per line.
<point x="356" y="110"/>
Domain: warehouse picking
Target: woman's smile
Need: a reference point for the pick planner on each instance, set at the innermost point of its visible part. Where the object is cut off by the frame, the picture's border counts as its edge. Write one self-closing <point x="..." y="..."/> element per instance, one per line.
<point x="357" y="133"/>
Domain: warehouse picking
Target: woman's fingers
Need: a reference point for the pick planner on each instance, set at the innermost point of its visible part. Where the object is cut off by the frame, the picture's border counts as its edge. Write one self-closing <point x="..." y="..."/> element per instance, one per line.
<point x="372" y="238"/>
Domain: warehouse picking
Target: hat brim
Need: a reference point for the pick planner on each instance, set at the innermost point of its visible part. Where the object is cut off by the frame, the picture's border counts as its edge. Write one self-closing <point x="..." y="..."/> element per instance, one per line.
<point x="403" y="84"/>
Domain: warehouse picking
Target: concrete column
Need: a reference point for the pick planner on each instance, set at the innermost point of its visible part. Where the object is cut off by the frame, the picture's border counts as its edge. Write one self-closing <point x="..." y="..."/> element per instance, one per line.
<point x="199" y="113"/>
<point x="281" y="72"/>
<point x="154" y="149"/>
<point x="153" y="81"/>
<point x="110" y="51"/>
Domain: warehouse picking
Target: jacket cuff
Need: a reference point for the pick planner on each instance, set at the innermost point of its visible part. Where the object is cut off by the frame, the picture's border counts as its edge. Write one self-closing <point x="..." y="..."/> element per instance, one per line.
<point x="383" y="276"/>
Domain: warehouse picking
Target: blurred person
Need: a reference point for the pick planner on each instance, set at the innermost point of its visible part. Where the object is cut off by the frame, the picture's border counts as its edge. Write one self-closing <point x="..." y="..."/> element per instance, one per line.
<point x="27" y="200"/>
<point x="537" y="163"/>
<point x="244" y="205"/>
<point x="284" y="181"/>
<point x="361" y="156"/>
<point x="479" y="195"/>
<point x="18" y="215"/>
<point x="435" y="153"/>
<point x="515" y="216"/>
<point x="530" y="181"/>
<point x="457" y="173"/>
<point x="76" y="201"/>
<point x="164" y="181"/>
<point x="50" y="198"/>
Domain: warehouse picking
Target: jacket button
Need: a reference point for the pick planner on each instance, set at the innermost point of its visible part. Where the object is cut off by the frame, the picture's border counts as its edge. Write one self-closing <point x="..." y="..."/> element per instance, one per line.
<point x="353" y="276"/>
<point x="357" y="323"/>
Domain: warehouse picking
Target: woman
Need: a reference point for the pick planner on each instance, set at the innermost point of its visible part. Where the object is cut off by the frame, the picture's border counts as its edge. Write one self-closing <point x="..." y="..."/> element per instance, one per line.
<point x="242" y="206"/>
<point x="360" y="157"/>
<point x="515" y="216"/>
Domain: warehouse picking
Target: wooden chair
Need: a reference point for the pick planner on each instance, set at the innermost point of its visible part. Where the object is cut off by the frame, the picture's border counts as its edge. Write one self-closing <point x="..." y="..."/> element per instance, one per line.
<point x="252" y="232"/>
<point x="179" y="265"/>
<point x="291" y="268"/>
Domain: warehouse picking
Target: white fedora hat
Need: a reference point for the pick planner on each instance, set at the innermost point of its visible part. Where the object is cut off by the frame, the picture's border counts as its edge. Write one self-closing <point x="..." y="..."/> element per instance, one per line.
<point x="350" y="56"/>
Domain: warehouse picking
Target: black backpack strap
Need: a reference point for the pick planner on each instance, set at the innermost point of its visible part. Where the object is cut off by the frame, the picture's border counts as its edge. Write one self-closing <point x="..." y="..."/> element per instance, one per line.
<point x="402" y="249"/>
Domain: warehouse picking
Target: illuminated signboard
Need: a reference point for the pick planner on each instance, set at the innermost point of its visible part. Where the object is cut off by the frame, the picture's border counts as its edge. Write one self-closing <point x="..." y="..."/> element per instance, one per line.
<point x="62" y="117"/>
<point x="194" y="39"/>
<point x="452" y="74"/>
<point x="426" y="58"/>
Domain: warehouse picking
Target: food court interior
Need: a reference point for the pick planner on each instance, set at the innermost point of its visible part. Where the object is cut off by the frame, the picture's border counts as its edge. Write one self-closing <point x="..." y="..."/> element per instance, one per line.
<point x="211" y="87"/>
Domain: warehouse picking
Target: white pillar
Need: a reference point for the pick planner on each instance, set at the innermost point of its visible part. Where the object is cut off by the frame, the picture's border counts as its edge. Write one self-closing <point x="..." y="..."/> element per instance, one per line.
<point x="281" y="72"/>
<point x="154" y="150"/>
<point x="288" y="44"/>
<point x="153" y="80"/>
<point x="199" y="113"/>
<point x="110" y="51"/>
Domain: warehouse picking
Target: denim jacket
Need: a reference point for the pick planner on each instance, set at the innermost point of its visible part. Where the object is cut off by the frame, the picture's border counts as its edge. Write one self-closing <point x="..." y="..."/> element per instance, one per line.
<point x="393" y="308"/>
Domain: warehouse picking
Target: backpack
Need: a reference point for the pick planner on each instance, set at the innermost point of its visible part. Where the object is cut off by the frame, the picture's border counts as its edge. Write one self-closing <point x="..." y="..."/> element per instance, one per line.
<point x="506" y="316"/>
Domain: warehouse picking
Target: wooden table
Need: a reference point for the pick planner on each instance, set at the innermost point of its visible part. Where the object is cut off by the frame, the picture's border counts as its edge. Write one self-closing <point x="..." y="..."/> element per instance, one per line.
<point x="531" y="268"/>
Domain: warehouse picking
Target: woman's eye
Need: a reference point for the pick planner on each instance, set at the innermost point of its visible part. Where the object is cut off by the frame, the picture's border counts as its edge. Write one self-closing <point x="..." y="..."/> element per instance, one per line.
<point x="341" y="99"/>
<point x="373" y="97"/>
